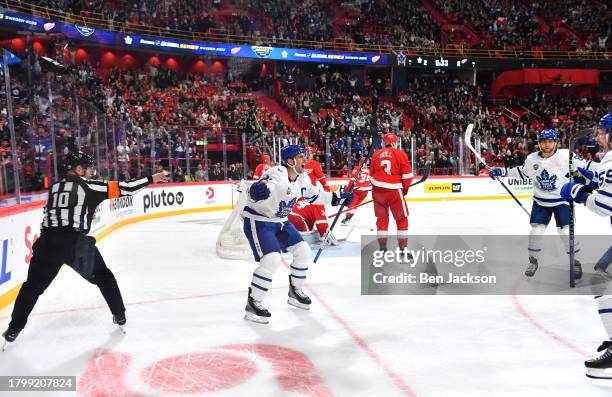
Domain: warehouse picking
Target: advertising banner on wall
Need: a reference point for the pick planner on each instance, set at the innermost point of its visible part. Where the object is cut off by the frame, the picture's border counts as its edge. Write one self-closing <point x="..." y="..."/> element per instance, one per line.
<point x="186" y="47"/>
<point x="19" y="230"/>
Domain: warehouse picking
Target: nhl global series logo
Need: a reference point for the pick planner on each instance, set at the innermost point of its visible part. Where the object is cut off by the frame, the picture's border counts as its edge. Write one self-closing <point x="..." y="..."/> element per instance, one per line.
<point x="85" y="31"/>
<point x="262" y="52"/>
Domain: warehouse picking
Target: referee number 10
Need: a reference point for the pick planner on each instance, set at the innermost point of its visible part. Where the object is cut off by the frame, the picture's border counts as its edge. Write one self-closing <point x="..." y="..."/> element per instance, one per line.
<point x="60" y="200"/>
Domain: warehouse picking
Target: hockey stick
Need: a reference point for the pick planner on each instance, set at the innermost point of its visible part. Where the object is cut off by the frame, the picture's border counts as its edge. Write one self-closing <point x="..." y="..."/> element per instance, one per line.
<point x="572" y="214"/>
<point x="368" y="156"/>
<point x="468" y="142"/>
<point x="263" y="136"/>
<point x="423" y="179"/>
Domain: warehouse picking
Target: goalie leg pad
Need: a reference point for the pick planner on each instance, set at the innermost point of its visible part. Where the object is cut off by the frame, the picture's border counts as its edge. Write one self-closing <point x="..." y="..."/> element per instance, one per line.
<point x="263" y="275"/>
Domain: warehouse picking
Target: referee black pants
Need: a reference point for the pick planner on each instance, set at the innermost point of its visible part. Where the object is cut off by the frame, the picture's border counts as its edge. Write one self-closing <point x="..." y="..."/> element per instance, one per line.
<point x="50" y="252"/>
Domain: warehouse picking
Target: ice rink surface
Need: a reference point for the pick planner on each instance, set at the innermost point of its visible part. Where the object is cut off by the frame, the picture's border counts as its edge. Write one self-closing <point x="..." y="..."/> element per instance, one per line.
<point x="186" y="333"/>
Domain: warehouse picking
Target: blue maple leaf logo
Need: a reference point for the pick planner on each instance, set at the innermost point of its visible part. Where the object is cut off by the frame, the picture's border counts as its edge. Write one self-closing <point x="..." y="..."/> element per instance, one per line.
<point x="284" y="208"/>
<point x="548" y="183"/>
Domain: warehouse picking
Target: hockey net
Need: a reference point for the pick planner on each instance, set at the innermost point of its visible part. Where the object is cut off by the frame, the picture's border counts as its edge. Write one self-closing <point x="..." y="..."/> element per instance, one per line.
<point x="231" y="242"/>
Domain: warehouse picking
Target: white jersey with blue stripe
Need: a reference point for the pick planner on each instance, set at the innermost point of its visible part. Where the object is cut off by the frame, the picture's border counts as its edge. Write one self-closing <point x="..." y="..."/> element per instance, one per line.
<point x="283" y="195"/>
<point x="600" y="201"/>
<point x="549" y="175"/>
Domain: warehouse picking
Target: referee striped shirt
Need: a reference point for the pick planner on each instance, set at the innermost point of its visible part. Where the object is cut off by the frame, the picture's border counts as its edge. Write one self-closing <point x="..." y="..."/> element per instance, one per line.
<point x="71" y="202"/>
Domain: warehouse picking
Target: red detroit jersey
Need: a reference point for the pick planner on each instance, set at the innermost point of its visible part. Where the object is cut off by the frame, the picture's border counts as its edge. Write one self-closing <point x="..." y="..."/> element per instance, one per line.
<point x="261" y="168"/>
<point x="391" y="169"/>
<point x="314" y="171"/>
<point x="363" y="182"/>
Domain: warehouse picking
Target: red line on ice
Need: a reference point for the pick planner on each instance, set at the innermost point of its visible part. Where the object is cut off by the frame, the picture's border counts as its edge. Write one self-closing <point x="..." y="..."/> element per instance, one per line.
<point x="406" y="390"/>
<point x="521" y="309"/>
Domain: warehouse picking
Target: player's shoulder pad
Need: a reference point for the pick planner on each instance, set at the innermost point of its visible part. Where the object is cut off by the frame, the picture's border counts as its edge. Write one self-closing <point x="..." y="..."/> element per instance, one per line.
<point x="274" y="172"/>
<point x="535" y="156"/>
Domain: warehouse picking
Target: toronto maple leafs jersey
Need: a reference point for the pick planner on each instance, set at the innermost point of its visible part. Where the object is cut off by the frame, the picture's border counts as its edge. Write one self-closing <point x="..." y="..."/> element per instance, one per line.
<point x="549" y="175"/>
<point x="600" y="201"/>
<point x="283" y="196"/>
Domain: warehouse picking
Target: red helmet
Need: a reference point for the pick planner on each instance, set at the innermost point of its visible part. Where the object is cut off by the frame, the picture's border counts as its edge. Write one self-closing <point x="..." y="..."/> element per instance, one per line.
<point x="390" y="139"/>
<point x="265" y="158"/>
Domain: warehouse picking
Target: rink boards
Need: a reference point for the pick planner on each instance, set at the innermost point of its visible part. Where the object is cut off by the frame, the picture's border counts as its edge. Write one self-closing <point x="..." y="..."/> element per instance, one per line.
<point x="20" y="225"/>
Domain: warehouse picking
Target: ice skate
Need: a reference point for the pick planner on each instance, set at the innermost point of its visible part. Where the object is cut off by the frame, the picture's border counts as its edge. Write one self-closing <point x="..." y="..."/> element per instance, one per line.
<point x="330" y="240"/>
<point x="120" y="320"/>
<point x="255" y="312"/>
<point x="533" y="267"/>
<point x="601" y="367"/>
<point x="9" y="337"/>
<point x="347" y="220"/>
<point x="297" y="297"/>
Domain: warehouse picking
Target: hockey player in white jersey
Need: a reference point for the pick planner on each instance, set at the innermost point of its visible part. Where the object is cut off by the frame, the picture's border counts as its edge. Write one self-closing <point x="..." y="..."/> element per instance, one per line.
<point x="548" y="169"/>
<point x="269" y="232"/>
<point x="600" y="202"/>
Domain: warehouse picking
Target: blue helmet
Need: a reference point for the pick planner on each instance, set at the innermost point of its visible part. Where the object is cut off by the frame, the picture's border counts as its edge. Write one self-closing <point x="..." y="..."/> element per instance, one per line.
<point x="548" y="133"/>
<point x="290" y="151"/>
<point x="606" y="123"/>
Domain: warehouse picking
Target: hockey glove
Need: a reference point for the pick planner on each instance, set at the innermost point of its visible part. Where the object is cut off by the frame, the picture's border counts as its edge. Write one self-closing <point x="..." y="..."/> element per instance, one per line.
<point x="496" y="172"/>
<point x="575" y="191"/>
<point x="589" y="177"/>
<point x="347" y="197"/>
<point x="259" y="191"/>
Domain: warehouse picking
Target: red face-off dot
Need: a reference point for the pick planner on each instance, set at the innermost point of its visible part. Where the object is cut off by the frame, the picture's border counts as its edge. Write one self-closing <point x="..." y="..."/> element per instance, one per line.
<point x="199" y="372"/>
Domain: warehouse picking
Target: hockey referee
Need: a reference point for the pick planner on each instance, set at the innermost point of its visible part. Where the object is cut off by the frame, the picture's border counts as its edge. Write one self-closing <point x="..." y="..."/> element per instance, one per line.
<point x="68" y="213"/>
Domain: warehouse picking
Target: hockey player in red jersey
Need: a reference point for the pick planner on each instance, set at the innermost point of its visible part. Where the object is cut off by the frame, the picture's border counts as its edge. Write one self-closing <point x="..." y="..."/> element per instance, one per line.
<point x="313" y="169"/>
<point x="308" y="217"/>
<point x="265" y="165"/>
<point x="391" y="175"/>
<point x="362" y="187"/>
